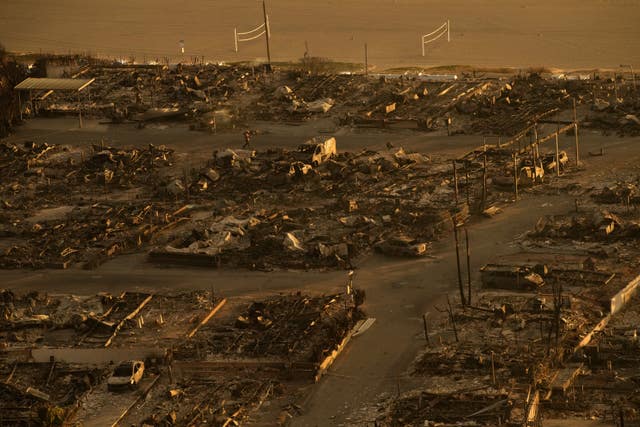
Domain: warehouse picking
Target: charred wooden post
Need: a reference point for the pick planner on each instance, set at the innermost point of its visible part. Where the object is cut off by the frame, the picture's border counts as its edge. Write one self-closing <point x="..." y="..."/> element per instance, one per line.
<point x="455" y="235"/>
<point x="557" y="311"/>
<point x="557" y="157"/>
<point x="533" y="161"/>
<point x="79" y="111"/>
<point x="53" y="365"/>
<point x="519" y="145"/>
<point x="536" y="154"/>
<point x="466" y="235"/>
<point x="455" y="181"/>
<point x="575" y="130"/>
<point x="484" y="179"/>
<point x="19" y="105"/>
<point x="493" y="370"/>
<point x="426" y="328"/>
<point x="466" y="181"/>
<point x="515" y="174"/>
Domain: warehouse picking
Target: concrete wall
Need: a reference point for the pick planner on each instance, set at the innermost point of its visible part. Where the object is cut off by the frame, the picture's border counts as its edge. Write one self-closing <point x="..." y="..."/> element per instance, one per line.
<point x="620" y="299"/>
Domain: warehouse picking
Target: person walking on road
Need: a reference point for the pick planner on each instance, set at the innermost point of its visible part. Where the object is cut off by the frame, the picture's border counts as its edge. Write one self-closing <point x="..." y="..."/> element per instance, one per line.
<point x="247" y="138"/>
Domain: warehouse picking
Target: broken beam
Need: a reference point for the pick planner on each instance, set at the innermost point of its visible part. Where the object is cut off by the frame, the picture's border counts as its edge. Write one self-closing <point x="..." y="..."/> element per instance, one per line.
<point x="207" y="317"/>
<point x="131" y="315"/>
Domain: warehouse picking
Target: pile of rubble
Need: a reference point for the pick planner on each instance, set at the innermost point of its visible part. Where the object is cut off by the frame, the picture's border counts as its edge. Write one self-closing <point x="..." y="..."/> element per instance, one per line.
<point x="54" y="215"/>
<point x="75" y="223"/>
<point x="606" y="385"/>
<point x="146" y="93"/>
<point x="87" y="235"/>
<point x="44" y="394"/>
<point x="206" y="359"/>
<point x="550" y="343"/>
<point x="35" y="169"/>
<point x="221" y="96"/>
<point x="478" y="408"/>
<point x="507" y="353"/>
<point x="220" y="400"/>
<point x="605" y="225"/>
<point x="620" y="193"/>
<point x="615" y="107"/>
<point x="100" y="320"/>
<point x="598" y="225"/>
<point x="125" y="168"/>
<point x="494" y="106"/>
<point x="240" y="210"/>
<point x="394" y="201"/>
<point x="296" y="328"/>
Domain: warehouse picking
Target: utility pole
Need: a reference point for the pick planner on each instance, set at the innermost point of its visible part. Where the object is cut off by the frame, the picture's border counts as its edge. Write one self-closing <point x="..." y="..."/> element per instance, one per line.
<point x="267" y="31"/>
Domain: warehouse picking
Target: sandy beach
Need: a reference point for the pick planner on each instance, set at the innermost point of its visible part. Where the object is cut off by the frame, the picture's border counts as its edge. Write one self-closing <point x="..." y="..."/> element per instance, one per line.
<point x="568" y="35"/>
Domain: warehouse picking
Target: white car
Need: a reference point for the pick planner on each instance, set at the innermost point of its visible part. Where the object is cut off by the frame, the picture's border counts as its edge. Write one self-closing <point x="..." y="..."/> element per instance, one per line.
<point x="126" y="375"/>
<point x="318" y="150"/>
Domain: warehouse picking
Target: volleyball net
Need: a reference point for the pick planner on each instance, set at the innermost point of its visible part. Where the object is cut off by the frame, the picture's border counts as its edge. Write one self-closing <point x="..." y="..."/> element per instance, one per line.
<point x="247" y="36"/>
<point x="438" y="33"/>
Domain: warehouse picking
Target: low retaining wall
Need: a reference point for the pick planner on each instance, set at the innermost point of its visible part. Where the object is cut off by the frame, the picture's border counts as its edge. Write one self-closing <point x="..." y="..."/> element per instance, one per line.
<point x="620" y="299"/>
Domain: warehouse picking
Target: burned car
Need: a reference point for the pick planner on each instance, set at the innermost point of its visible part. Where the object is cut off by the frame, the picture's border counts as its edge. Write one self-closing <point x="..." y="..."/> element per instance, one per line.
<point x="317" y="150"/>
<point x="126" y="375"/>
<point x="402" y="246"/>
